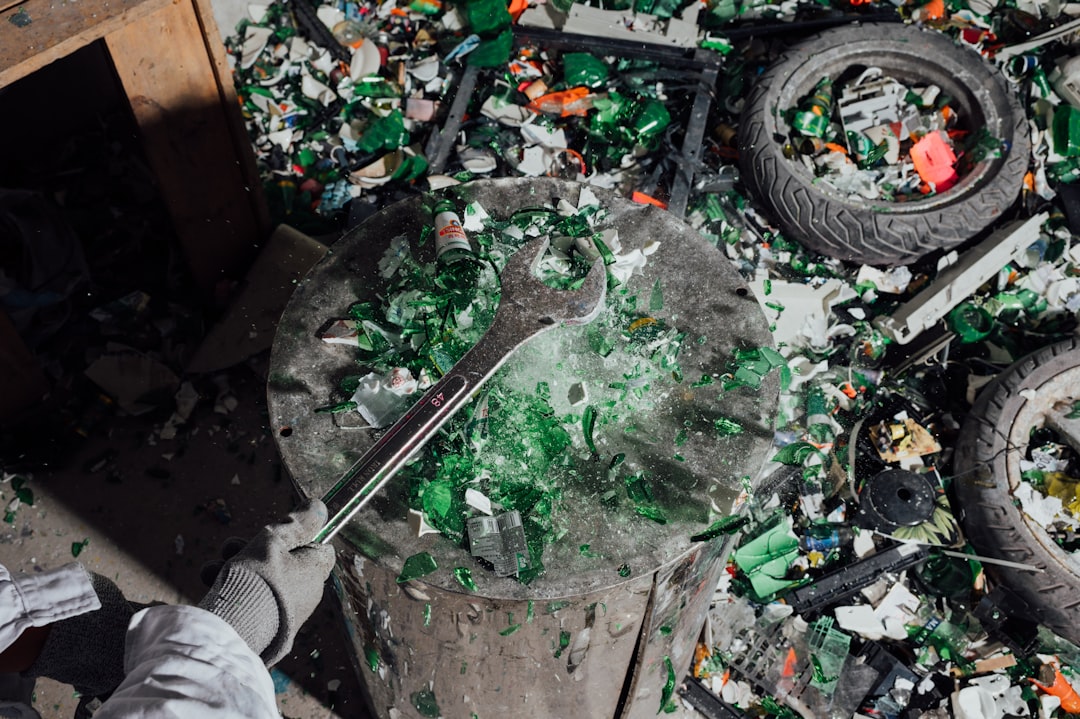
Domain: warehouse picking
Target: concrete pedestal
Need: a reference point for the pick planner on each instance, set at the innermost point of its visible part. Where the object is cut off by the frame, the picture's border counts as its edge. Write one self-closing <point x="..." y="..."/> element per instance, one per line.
<point x="612" y="622"/>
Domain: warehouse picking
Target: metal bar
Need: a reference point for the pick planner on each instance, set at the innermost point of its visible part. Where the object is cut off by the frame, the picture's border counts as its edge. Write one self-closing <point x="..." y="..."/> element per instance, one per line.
<point x="695" y="133"/>
<point x="440" y="143"/>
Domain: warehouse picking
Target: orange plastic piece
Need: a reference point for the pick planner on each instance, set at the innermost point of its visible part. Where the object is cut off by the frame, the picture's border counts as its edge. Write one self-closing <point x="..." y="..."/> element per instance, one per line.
<point x="933" y="10"/>
<point x="400" y="12"/>
<point x="1070" y="700"/>
<point x="934" y="161"/>
<point x="789" y="663"/>
<point x="517" y="7"/>
<point x="849" y="391"/>
<point x="701" y="653"/>
<point x="564" y="103"/>
<point x="642" y="199"/>
<point x="535" y="90"/>
<point x="833" y="147"/>
<point x="1029" y="181"/>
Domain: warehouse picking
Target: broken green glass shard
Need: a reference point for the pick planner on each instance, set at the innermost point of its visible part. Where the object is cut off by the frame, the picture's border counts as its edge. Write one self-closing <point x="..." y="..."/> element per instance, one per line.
<point x="638" y="489"/>
<point x="24" y="494"/>
<point x="656" y="298"/>
<point x="437" y="499"/>
<point x="564" y="642"/>
<point x="669" y="685"/>
<point x="605" y="252"/>
<point x="725" y="525"/>
<point x="588" y="424"/>
<point x="424" y="702"/>
<point x="510" y="630"/>
<point x="795" y="454"/>
<point x="1074" y="413"/>
<point x="77" y="547"/>
<point x="653" y="513"/>
<point x="598" y="341"/>
<point x="464" y="577"/>
<point x="580" y="68"/>
<point x="748" y="377"/>
<point x="427" y="615"/>
<point x="372" y="658"/>
<point x="727" y="427"/>
<point x="417" y="566"/>
<point x="766" y="558"/>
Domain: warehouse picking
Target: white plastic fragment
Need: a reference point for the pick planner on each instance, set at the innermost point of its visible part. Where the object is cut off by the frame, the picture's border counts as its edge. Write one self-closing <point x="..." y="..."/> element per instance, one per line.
<point x="255" y="38"/>
<point x="421" y="109"/>
<point x="477" y="159"/>
<point x="501" y="110"/>
<point x="418" y="525"/>
<point x="365" y="60"/>
<point x="533" y="161"/>
<point x="330" y="15"/>
<point x="960" y="280"/>
<point x="478" y="500"/>
<point x="381" y="400"/>
<point x="341" y="332"/>
<point x="974" y="702"/>
<point x="860" y="619"/>
<point x="893" y="281"/>
<point x="863" y="544"/>
<point x="315" y="90"/>
<point x="551" y="138"/>
<point x="395" y="254"/>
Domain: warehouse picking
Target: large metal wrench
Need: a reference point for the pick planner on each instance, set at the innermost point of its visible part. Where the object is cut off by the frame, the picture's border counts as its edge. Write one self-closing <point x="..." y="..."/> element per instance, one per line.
<point x="527" y="307"/>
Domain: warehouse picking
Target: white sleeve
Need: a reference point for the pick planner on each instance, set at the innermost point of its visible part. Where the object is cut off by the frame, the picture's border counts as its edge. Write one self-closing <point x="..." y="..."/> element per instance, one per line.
<point x="34" y="600"/>
<point x="182" y="662"/>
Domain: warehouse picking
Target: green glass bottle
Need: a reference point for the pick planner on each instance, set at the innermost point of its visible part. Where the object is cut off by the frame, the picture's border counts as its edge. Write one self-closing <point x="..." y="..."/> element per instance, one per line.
<point x="459" y="267"/>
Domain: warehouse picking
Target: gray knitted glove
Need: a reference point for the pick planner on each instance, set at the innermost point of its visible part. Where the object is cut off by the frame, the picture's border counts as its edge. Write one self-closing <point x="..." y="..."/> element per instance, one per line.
<point x="271" y="587"/>
<point x="87" y="651"/>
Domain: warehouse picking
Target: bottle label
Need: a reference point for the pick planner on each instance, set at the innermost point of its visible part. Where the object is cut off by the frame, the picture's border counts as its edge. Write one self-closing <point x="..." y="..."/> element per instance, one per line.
<point x="449" y="234"/>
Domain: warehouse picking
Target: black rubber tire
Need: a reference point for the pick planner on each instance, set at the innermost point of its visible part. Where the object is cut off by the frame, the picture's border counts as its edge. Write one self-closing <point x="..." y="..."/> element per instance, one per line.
<point x="991" y="442"/>
<point x="877" y="232"/>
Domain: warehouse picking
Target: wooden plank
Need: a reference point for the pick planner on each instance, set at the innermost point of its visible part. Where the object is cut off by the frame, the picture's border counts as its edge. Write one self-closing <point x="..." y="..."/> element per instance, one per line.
<point x="215" y="50"/>
<point x="58" y="28"/>
<point x="172" y="85"/>
<point x="8" y="4"/>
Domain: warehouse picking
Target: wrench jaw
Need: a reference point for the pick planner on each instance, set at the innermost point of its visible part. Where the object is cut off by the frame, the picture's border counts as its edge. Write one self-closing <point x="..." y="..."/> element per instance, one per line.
<point x="521" y="287"/>
<point x="587" y="302"/>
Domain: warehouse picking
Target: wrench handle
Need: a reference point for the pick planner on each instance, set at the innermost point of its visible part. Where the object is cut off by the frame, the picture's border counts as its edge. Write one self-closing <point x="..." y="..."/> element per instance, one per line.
<point x="393" y="450"/>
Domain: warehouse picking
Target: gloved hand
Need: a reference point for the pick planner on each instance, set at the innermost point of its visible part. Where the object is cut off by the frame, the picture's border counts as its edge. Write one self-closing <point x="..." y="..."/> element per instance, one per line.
<point x="267" y="590"/>
<point x="87" y="651"/>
